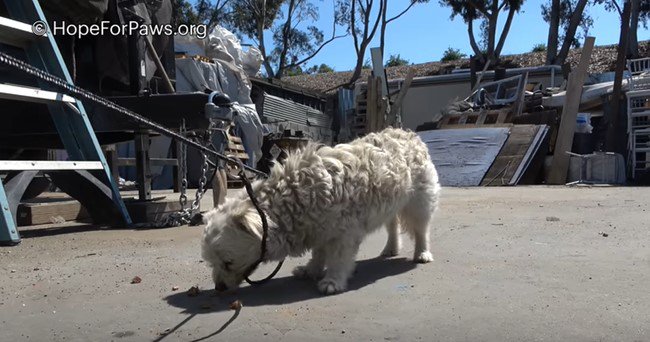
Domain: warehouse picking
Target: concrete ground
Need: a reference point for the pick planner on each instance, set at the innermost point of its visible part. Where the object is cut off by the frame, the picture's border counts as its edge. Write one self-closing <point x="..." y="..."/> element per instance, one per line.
<point x="512" y="264"/>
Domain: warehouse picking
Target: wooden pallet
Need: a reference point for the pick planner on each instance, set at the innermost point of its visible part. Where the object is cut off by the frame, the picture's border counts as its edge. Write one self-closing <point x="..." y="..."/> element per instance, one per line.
<point x="473" y="119"/>
<point x="195" y="57"/>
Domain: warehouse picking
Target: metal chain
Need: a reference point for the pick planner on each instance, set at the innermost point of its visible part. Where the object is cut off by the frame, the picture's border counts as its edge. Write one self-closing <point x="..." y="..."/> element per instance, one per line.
<point x="184" y="216"/>
<point x="183" y="168"/>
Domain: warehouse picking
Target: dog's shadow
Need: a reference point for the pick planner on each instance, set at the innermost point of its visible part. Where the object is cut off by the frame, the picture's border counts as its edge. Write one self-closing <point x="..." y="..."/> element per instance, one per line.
<point x="287" y="289"/>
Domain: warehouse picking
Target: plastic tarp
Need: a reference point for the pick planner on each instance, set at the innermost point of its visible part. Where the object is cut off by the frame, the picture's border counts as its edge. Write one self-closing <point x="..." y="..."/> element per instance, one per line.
<point x="463" y="156"/>
<point x="228" y="73"/>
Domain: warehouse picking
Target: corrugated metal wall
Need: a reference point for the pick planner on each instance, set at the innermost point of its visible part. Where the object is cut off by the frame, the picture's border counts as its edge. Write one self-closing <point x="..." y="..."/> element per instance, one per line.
<point x="286" y="114"/>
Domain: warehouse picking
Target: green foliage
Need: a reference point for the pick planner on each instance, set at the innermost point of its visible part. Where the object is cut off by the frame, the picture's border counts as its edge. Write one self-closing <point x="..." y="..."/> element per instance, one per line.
<point x="319" y="69"/>
<point x="541" y="47"/>
<point x="207" y="12"/>
<point x="184" y="13"/>
<point x="396" y="60"/>
<point x="290" y="42"/>
<point x="474" y="9"/>
<point x="452" y="54"/>
<point x="246" y="15"/>
<point x="367" y="64"/>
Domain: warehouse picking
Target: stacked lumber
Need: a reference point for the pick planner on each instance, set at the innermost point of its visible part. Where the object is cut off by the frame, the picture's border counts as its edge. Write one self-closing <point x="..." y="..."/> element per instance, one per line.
<point x="234" y="149"/>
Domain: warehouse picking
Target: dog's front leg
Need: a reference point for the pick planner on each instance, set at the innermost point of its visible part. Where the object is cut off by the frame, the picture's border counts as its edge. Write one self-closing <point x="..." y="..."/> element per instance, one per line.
<point x="340" y="262"/>
<point x="315" y="267"/>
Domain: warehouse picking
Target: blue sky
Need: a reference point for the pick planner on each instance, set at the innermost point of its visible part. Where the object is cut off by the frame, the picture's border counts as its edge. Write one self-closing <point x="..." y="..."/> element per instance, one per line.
<point x="426" y="31"/>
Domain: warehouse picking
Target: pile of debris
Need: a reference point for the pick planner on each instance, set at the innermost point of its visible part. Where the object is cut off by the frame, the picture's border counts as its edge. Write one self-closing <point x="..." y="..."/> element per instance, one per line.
<point x="516" y="132"/>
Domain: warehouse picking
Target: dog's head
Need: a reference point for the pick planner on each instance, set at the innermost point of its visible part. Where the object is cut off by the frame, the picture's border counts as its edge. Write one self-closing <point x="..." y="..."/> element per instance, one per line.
<point x="231" y="242"/>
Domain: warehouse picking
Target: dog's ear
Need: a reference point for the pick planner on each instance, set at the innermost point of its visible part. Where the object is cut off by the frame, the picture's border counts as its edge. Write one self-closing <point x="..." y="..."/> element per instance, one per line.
<point x="249" y="222"/>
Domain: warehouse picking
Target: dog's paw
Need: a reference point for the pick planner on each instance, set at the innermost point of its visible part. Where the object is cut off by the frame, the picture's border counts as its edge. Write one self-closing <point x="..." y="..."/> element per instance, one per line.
<point x="304" y="272"/>
<point x="329" y="286"/>
<point x="423" y="258"/>
<point x="390" y="252"/>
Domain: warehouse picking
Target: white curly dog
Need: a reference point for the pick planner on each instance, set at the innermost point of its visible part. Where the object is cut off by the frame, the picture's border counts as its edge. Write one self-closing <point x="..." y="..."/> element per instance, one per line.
<point x="327" y="199"/>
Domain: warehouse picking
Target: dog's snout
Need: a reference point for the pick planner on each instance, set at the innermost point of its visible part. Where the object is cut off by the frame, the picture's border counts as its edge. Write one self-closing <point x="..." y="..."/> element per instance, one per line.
<point x="220" y="287"/>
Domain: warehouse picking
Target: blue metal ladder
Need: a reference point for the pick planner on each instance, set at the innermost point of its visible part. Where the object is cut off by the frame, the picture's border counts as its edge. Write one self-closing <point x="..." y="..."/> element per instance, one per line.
<point x="88" y="177"/>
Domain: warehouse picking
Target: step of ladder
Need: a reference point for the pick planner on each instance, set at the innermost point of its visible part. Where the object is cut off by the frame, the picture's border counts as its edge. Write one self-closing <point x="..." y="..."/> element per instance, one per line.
<point x="88" y="177"/>
<point x="29" y="94"/>
<point x="48" y="165"/>
<point x="17" y="33"/>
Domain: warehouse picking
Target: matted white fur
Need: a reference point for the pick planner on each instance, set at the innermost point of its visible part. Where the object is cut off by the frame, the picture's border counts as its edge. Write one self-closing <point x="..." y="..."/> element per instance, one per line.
<point x="327" y="199"/>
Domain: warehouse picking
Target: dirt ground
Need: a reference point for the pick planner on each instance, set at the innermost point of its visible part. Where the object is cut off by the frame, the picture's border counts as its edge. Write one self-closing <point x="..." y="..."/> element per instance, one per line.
<point x="515" y="264"/>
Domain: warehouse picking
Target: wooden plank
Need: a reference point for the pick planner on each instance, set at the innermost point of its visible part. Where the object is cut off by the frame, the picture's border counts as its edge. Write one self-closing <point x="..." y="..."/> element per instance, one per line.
<point x="460" y="126"/>
<point x="234" y="138"/>
<point x="371" y="110"/>
<point x="402" y="94"/>
<point x="560" y="163"/>
<point x="501" y="118"/>
<point x="463" y="118"/>
<point x="511" y="155"/>
<point x="50" y="212"/>
<point x="481" y="117"/>
<point x="236" y="147"/>
<point x="242" y="156"/>
<point x="219" y="188"/>
<point x="152" y="211"/>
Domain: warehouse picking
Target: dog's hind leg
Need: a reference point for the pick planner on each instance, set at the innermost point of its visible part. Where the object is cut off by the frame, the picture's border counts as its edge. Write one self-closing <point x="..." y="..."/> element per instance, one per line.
<point x="315" y="267"/>
<point x="416" y="218"/>
<point x="393" y="244"/>
<point x="340" y="263"/>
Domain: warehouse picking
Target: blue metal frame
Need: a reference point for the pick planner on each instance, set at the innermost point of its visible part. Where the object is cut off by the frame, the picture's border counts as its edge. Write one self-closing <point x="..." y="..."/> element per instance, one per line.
<point x="75" y="129"/>
<point x="9" y="234"/>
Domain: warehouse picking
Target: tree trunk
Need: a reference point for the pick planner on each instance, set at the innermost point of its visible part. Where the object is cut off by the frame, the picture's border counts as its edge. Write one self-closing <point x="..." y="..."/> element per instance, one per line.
<point x="574" y="22"/>
<point x="357" y="70"/>
<point x="633" y="41"/>
<point x="368" y="35"/>
<point x="614" y="143"/>
<point x="472" y="42"/>
<point x="492" y="30"/>
<point x="267" y="62"/>
<point x="286" y="32"/>
<point x="553" y="33"/>
<point x="504" y="32"/>
<point x="382" y="32"/>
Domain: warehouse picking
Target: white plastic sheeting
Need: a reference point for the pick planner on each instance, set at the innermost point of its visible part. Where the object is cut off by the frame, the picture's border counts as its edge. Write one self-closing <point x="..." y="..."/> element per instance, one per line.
<point x="228" y="74"/>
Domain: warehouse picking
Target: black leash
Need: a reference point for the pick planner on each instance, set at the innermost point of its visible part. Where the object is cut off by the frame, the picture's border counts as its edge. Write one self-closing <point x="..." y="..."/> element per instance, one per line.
<point x="265" y="231"/>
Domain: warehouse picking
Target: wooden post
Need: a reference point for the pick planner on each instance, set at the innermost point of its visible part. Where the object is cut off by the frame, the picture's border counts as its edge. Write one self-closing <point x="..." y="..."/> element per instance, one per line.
<point x="378" y="70"/>
<point x="371" y="104"/>
<point x="395" y="108"/>
<point x="219" y="187"/>
<point x="560" y="163"/>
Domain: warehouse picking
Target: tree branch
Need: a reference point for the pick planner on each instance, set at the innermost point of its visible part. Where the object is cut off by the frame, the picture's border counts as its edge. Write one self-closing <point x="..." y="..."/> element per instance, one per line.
<point x="618" y="8"/>
<point x="315" y="52"/>
<point x="374" y="28"/>
<point x="504" y="32"/>
<point x="503" y="4"/>
<point x="401" y="13"/>
<point x="472" y="40"/>
<point x="574" y="21"/>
